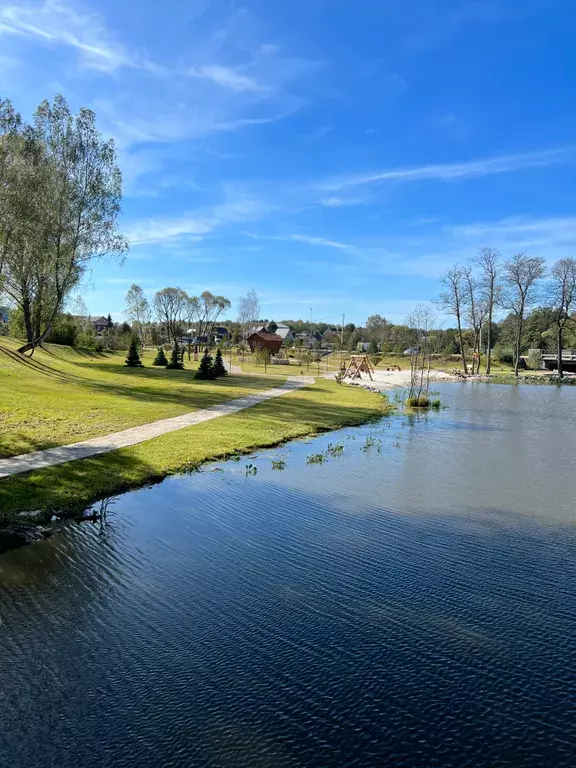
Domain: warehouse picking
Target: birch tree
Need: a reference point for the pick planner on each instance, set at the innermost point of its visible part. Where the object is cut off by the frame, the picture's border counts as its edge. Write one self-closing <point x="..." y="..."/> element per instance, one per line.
<point x="60" y="203"/>
<point x="452" y="301"/>
<point x="562" y="296"/>
<point x="248" y="311"/>
<point x="488" y="261"/>
<point x="522" y="277"/>
<point x="171" y="307"/>
<point x="137" y="308"/>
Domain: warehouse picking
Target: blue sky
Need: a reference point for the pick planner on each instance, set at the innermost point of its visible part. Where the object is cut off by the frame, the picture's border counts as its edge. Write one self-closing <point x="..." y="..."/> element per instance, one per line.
<point x="334" y="155"/>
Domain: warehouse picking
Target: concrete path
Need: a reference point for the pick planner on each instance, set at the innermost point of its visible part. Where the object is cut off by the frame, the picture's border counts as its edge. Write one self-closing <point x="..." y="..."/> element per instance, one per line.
<point x="97" y="445"/>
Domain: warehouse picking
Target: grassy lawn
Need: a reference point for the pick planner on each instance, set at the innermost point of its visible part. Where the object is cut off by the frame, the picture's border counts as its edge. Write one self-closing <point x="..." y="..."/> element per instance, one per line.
<point x="320" y="407"/>
<point x="64" y="395"/>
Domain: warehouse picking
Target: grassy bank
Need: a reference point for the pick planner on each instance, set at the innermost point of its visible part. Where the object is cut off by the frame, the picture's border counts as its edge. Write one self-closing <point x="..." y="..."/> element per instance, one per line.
<point x="320" y="407"/>
<point x="63" y="395"/>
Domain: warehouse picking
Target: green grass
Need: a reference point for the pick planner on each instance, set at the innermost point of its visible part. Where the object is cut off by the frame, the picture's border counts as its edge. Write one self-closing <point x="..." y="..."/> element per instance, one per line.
<point x="64" y="395"/>
<point x="319" y="407"/>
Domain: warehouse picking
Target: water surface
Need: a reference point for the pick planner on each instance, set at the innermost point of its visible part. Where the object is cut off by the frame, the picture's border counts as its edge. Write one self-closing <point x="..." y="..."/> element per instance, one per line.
<point x="411" y="602"/>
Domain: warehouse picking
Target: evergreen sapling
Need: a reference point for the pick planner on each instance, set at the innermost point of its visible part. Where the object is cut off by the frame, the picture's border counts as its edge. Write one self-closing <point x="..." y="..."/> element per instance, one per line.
<point x="219" y="367"/>
<point x="160" y="358"/>
<point x="206" y="368"/>
<point x="175" y="363"/>
<point x="133" y="358"/>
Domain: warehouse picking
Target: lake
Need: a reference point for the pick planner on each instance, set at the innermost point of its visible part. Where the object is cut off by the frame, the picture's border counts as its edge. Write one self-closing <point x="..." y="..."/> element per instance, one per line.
<point x="410" y="602"/>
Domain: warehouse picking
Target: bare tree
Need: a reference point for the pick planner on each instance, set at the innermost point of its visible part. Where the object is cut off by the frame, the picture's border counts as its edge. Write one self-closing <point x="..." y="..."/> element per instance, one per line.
<point x="137" y="308"/>
<point x="421" y="324"/>
<point x="452" y="301"/>
<point x="562" y="296"/>
<point x="488" y="261"/>
<point x="248" y="311"/>
<point x="522" y="275"/>
<point x="476" y="312"/>
<point x="204" y="310"/>
<point x="171" y="307"/>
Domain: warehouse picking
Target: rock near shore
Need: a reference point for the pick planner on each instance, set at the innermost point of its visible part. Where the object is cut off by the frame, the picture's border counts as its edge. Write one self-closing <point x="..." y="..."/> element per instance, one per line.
<point x="14" y="536"/>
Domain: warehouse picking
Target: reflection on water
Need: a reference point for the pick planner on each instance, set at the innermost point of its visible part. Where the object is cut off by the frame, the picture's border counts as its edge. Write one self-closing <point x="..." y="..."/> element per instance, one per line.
<point x="407" y="604"/>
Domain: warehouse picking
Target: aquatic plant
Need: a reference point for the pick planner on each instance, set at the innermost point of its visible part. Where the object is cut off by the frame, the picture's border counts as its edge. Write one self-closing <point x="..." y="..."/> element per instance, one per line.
<point x="251" y="469"/>
<point x="316" y="458"/>
<point x="278" y="464"/>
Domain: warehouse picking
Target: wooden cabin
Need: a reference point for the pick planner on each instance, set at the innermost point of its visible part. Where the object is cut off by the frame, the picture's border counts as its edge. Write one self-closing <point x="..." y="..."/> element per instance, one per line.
<point x="265" y="340"/>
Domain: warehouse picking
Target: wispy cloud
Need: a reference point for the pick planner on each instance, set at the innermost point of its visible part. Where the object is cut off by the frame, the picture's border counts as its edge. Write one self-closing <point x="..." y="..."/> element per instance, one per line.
<point x="55" y="22"/>
<point x="320" y="241"/>
<point x="340" y="202"/>
<point x="193" y="227"/>
<point x="226" y="77"/>
<point x="452" y="171"/>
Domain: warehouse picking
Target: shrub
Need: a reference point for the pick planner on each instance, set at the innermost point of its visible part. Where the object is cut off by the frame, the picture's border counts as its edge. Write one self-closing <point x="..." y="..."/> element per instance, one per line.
<point x="535" y="359"/>
<point x="504" y="355"/>
<point x="133" y="358"/>
<point x="219" y="369"/>
<point x="418" y="402"/>
<point x="175" y="363"/>
<point x="160" y="358"/>
<point x="206" y="368"/>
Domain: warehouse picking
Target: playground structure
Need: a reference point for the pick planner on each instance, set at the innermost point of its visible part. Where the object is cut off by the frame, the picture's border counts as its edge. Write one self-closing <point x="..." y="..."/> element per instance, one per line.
<point x="358" y="365"/>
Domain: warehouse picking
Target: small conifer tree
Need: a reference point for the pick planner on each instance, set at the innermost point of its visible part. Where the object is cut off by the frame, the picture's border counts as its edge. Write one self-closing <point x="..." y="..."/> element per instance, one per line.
<point x="219" y="367"/>
<point x="175" y="363"/>
<point x="160" y="358"/>
<point x="133" y="358"/>
<point x="206" y="368"/>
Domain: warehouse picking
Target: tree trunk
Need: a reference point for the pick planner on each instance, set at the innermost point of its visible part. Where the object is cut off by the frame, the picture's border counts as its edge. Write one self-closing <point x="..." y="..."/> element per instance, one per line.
<point x="462" y="352"/>
<point x="560" y="341"/>
<point x="517" y="348"/>
<point x="26" y="312"/>
<point x="489" y="342"/>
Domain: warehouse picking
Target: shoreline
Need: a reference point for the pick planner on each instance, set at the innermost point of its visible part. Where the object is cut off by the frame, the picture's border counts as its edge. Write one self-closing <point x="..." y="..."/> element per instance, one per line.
<point x="31" y="500"/>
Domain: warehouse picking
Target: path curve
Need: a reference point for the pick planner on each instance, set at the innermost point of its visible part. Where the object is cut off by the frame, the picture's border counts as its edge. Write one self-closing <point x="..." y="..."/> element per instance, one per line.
<point x="135" y="435"/>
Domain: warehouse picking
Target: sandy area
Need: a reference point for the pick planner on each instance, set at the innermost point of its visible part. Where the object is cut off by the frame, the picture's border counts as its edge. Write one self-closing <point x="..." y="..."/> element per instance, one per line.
<point x="383" y="380"/>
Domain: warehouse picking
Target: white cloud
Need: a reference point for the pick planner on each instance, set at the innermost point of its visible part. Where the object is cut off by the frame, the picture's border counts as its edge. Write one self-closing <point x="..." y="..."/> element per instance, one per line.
<point x="55" y="22"/>
<point x="451" y="171"/>
<point x="227" y="78"/>
<point x="193" y="227"/>
<point x="321" y="241"/>
<point x="339" y="202"/>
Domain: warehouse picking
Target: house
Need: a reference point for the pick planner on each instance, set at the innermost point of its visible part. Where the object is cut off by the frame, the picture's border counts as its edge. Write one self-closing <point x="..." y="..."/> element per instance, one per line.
<point x="264" y="340"/>
<point x="100" y="324"/>
<point x="221" y="334"/>
<point x="285" y="333"/>
<point x="330" y="336"/>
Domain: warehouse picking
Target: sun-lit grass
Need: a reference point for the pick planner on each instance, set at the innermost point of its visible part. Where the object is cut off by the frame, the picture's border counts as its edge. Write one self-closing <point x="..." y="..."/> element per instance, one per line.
<point x="322" y="406"/>
<point x="64" y="395"/>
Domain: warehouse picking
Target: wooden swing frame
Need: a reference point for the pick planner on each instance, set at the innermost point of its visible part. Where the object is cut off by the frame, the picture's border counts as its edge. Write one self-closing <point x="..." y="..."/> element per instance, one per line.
<point x="358" y="365"/>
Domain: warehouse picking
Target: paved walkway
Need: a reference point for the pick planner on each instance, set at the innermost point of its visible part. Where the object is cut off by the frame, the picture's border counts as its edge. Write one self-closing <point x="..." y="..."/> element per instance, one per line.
<point x="97" y="445"/>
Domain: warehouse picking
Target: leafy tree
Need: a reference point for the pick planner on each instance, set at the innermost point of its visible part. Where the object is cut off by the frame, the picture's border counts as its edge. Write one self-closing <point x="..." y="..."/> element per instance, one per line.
<point x="175" y="363"/>
<point x="137" y="308"/>
<point x="272" y="327"/>
<point x="60" y="193"/>
<point x="171" y="306"/>
<point x="262" y="357"/>
<point x="160" y="358"/>
<point x="204" y="311"/>
<point x="133" y="358"/>
<point x="373" y="347"/>
<point x="206" y="368"/>
<point x="219" y="369"/>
